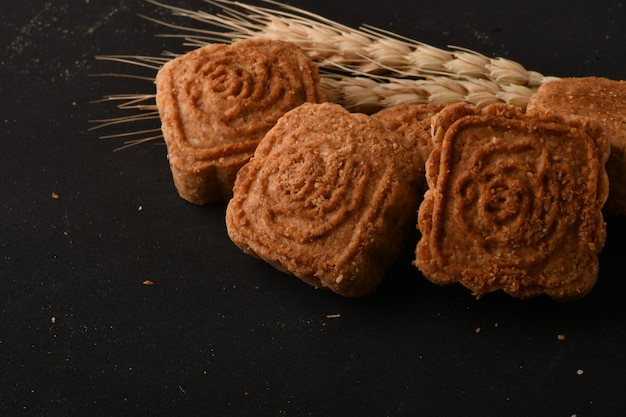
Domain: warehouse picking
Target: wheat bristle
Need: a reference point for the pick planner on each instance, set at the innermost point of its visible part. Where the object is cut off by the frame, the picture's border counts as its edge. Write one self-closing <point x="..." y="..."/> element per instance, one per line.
<point x="363" y="69"/>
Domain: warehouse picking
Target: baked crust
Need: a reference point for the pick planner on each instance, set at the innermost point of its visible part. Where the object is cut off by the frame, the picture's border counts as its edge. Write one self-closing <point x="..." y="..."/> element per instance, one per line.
<point x="327" y="197"/>
<point x="217" y="102"/>
<point x="602" y="99"/>
<point x="412" y="121"/>
<point x="514" y="202"/>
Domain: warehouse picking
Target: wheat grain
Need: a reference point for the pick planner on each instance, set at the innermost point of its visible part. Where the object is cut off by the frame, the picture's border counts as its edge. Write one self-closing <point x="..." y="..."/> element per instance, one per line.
<point x="363" y="69"/>
<point x="366" y="49"/>
<point x="366" y="52"/>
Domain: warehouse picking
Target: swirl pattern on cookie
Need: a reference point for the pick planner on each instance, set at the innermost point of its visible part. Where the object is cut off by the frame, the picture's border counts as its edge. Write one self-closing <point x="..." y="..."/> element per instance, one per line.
<point x="514" y="203"/>
<point x="506" y="194"/>
<point x="217" y="102"/>
<point x="328" y="197"/>
<point x="307" y="184"/>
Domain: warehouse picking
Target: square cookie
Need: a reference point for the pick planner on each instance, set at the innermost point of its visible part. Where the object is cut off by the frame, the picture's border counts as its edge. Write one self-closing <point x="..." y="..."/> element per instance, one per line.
<point x="217" y="102"/>
<point x="514" y="202"/>
<point x="329" y="197"/>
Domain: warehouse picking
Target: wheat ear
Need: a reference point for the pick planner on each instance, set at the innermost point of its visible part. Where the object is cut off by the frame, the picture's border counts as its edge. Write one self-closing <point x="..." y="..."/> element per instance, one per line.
<point x="352" y="60"/>
<point x="363" y="69"/>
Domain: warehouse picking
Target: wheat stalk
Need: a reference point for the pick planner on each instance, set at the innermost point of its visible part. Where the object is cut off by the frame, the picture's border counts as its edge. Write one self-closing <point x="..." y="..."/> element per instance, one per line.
<point x="366" y="50"/>
<point x="363" y="69"/>
<point x="368" y="94"/>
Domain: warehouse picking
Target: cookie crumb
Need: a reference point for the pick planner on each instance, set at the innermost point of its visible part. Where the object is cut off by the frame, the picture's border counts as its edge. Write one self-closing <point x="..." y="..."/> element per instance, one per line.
<point x="333" y="316"/>
<point x="477" y="330"/>
<point x="580" y="372"/>
<point x="53" y="319"/>
<point x="54" y="196"/>
<point x="148" y="282"/>
<point x="560" y="337"/>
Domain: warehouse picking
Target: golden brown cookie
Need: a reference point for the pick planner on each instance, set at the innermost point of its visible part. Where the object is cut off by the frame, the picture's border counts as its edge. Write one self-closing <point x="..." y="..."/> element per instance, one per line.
<point x="514" y="202"/>
<point x="327" y="197"/>
<point x="217" y="102"/>
<point x="412" y="121"/>
<point x="604" y="100"/>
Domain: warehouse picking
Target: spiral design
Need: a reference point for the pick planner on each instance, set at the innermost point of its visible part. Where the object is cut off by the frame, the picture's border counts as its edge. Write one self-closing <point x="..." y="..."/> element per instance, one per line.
<point x="508" y="196"/>
<point x="236" y="93"/>
<point x="225" y="79"/>
<point x="309" y="195"/>
<point x="327" y="197"/>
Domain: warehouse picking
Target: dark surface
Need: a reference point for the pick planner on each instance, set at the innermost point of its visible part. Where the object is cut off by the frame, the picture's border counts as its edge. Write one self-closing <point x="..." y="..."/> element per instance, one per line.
<point x="220" y="333"/>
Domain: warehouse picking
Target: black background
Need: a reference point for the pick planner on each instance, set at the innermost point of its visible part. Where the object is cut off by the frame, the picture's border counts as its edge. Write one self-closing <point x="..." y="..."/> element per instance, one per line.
<point x="220" y="333"/>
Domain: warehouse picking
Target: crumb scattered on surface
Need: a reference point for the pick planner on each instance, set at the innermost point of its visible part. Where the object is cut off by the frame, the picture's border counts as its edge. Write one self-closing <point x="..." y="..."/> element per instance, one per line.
<point x="148" y="282"/>
<point x="333" y="316"/>
<point x="54" y="196"/>
<point x="580" y="372"/>
<point x="561" y="337"/>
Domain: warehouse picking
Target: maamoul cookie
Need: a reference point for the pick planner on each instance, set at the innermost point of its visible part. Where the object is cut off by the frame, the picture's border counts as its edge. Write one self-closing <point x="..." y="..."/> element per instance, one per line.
<point x="327" y="197"/>
<point x="217" y="102"/>
<point x="514" y="202"/>
<point x="604" y="100"/>
<point x="412" y="121"/>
